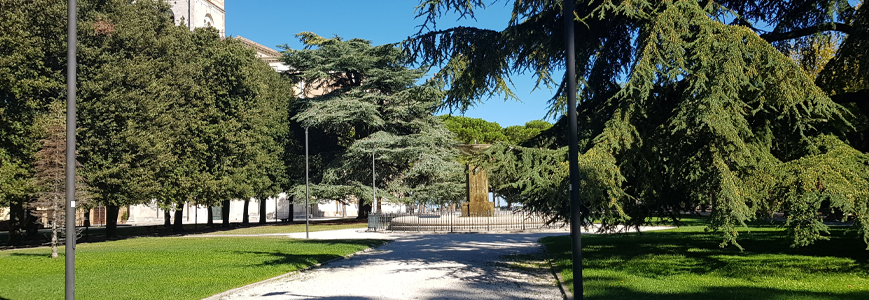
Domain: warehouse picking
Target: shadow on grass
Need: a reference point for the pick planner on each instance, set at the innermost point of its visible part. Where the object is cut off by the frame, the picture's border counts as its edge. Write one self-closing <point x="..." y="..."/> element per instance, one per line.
<point x="666" y="257"/>
<point x="98" y="234"/>
<point x="276" y="258"/>
<point x="45" y="255"/>
<point x="723" y="293"/>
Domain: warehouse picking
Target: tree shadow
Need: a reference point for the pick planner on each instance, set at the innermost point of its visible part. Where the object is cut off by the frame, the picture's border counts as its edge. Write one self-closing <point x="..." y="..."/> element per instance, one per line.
<point x="44" y="255"/>
<point x="721" y="293"/>
<point x="666" y="256"/>
<point x="277" y="258"/>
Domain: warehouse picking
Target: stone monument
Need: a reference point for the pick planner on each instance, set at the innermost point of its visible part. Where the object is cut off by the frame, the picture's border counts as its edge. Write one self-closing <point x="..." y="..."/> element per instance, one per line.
<point x="478" y="186"/>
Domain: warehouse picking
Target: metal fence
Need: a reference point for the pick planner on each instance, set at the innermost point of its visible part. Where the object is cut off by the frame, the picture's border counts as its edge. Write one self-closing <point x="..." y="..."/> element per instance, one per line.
<point x="455" y="222"/>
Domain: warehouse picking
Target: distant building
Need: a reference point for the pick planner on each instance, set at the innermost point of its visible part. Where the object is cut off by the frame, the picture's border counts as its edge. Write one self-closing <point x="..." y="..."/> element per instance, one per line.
<point x="266" y="54"/>
<point x="199" y="13"/>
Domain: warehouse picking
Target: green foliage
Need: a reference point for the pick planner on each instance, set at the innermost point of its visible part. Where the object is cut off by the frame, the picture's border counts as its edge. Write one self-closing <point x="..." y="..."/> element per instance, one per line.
<point x="30" y="79"/>
<point x="518" y="134"/>
<point x="474" y="130"/>
<point x="362" y="99"/>
<point x="164" y="113"/>
<point x="683" y="106"/>
<point x="153" y="267"/>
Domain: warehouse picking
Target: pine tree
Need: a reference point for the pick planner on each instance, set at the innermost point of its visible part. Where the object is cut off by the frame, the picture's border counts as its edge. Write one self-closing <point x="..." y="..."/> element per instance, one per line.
<point x="683" y="105"/>
<point x="50" y="177"/>
<point x="474" y="130"/>
<point x="372" y="106"/>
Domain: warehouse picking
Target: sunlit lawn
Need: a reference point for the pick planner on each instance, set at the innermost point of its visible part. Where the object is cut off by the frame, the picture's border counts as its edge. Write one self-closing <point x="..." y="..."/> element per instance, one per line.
<point x="164" y="267"/>
<point x="686" y="263"/>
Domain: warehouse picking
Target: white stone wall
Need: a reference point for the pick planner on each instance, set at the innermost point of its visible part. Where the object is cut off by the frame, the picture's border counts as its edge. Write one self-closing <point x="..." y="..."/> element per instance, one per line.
<point x="4" y="214"/>
<point x="204" y="12"/>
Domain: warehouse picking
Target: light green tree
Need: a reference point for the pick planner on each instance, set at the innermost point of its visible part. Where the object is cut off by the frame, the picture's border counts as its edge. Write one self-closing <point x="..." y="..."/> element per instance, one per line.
<point x="474" y="130"/>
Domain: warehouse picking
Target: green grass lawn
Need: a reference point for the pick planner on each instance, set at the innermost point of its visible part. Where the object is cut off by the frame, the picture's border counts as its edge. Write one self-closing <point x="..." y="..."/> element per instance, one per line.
<point x="164" y="267"/>
<point x="289" y="228"/>
<point x="686" y="263"/>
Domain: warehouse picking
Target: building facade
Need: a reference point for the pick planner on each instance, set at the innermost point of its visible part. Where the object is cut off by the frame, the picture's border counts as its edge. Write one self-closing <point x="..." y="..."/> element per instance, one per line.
<point x="200" y="13"/>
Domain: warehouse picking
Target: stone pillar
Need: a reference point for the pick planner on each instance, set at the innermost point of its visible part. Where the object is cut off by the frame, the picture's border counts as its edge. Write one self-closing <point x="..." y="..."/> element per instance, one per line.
<point x="477" y="186"/>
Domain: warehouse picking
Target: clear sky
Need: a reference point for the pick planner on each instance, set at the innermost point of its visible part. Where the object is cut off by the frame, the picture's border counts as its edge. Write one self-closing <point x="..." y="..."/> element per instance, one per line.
<point x="275" y="22"/>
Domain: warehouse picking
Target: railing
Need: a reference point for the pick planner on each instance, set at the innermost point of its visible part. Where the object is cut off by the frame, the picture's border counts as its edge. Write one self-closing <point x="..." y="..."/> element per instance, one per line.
<point x="455" y="222"/>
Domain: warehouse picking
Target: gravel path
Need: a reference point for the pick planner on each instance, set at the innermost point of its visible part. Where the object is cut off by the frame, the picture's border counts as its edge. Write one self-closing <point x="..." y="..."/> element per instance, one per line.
<point x="422" y="266"/>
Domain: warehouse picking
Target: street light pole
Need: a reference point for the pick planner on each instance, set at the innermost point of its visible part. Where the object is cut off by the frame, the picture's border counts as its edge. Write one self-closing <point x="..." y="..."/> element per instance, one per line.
<point x="307" y="194"/>
<point x="373" y="184"/>
<point x="573" y="152"/>
<point x="72" y="39"/>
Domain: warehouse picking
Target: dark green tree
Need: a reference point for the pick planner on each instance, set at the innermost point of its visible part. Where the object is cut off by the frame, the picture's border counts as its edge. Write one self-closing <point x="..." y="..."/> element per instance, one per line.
<point x="683" y="105"/>
<point x="369" y="104"/>
<point x="119" y="44"/>
<point x="32" y="60"/>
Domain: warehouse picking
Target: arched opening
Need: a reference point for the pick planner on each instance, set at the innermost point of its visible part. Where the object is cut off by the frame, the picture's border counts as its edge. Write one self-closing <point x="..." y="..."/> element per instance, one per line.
<point x="209" y="21"/>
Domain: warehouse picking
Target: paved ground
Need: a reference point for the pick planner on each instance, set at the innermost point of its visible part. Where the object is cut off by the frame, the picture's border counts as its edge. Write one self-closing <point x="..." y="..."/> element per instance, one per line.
<point x="421" y="266"/>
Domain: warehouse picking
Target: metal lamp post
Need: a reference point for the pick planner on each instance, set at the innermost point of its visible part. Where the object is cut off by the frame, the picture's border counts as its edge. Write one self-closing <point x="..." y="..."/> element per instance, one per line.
<point x="573" y="154"/>
<point x="307" y="194"/>
<point x="72" y="38"/>
<point x="373" y="184"/>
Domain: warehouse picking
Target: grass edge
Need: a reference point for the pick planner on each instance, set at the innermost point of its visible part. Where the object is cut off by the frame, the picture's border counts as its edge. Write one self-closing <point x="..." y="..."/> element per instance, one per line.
<point x="565" y="293"/>
<point x="220" y="295"/>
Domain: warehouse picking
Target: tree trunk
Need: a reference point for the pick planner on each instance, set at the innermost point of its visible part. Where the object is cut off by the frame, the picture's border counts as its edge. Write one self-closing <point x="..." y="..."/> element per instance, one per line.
<point x="111" y="219"/>
<point x="210" y="221"/>
<point x="54" y="230"/>
<point x="364" y="209"/>
<point x="167" y="219"/>
<point x="245" y="219"/>
<point x="262" y="210"/>
<point x="32" y="224"/>
<point x="16" y="221"/>
<point x="87" y="218"/>
<point x="224" y="213"/>
<point x="179" y="219"/>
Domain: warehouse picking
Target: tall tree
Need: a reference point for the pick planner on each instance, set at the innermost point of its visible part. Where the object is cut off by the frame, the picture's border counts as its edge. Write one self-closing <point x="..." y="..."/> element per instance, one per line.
<point x="370" y="105"/>
<point x="120" y="47"/>
<point x="31" y="65"/>
<point x="50" y="177"/>
<point x="683" y="104"/>
<point x="518" y="134"/>
<point x="474" y="130"/>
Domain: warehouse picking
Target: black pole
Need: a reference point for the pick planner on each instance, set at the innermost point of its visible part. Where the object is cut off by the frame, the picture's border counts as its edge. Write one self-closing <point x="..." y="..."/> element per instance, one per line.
<point x="307" y="194"/>
<point x="373" y="184"/>
<point x="573" y="152"/>
<point x="70" y="149"/>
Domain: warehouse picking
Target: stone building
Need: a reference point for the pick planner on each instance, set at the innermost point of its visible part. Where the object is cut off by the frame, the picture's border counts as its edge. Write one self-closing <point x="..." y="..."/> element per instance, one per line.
<point x="200" y="13"/>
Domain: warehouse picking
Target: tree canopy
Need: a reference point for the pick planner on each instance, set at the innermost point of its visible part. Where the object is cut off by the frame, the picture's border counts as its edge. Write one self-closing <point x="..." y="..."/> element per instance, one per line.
<point x="164" y="113"/>
<point x="683" y="105"/>
<point x="361" y="101"/>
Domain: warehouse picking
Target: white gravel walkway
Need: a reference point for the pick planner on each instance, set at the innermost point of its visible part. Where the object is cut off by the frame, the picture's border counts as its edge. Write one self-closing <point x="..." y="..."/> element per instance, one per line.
<point x="419" y="266"/>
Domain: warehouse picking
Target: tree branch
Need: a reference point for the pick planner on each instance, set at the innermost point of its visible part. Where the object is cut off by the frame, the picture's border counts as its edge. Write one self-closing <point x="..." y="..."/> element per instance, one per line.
<point x="780" y="36"/>
<point x="853" y="97"/>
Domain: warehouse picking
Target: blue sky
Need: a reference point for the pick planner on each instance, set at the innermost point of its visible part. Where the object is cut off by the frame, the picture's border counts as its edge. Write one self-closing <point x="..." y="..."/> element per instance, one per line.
<point x="275" y="22"/>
